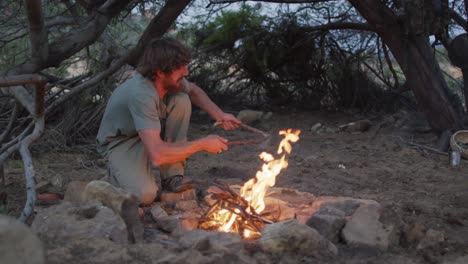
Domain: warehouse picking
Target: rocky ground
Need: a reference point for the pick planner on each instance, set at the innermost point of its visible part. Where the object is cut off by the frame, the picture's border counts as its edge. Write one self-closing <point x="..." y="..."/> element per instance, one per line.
<point x="424" y="195"/>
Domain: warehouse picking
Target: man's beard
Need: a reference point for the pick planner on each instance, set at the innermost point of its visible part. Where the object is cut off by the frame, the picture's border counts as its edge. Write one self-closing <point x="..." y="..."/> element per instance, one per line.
<point x="174" y="87"/>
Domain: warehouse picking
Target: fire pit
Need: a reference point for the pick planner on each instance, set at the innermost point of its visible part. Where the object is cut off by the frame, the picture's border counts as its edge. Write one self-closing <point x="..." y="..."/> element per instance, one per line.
<point x="277" y="219"/>
<point x="240" y="212"/>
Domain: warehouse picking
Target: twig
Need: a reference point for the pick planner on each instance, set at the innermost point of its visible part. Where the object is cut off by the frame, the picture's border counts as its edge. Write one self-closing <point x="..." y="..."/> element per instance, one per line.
<point x="7" y="131"/>
<point x="243" y="142"/>
<point x="248" y="128"/>
<point x="436" y="151"/>
<point x="242" y="213"/>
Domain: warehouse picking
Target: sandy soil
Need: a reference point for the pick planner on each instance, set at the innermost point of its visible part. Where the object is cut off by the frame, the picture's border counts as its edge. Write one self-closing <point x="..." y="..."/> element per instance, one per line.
<point x="420" y="186"/>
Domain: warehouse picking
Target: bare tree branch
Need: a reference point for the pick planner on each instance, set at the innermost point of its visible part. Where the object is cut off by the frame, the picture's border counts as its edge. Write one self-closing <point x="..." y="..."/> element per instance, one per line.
<point x="57" y="21"/>
<point x="29" y="171"/>
<point x="459" y="19"/>
<point x="37" y="32"/>
<point x="390" y="65"/>
<point x="24" y="143"/>
<point x="158" y="26"/>
<point x="71" y="7"/>
<point x="466" y="6"/>
<point x="64" y="47"/>
<point x="340" y="25"/>
<point x="9" y="126"/>
<point x="90" y="83"/>
<point x="269" y="1"/>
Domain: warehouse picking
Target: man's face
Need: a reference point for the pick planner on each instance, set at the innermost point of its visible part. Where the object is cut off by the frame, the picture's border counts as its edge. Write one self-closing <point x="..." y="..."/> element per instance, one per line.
<point x="172" y="81"/>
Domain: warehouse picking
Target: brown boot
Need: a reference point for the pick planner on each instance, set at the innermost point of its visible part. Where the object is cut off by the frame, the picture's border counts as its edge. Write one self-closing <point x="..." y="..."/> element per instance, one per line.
<point x="177" y="183"/>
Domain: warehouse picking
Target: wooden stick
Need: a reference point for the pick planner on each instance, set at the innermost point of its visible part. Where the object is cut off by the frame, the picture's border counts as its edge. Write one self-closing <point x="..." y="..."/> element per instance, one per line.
<point x="252" y="129"/>
<point x="243" y="142"/>
<point x="436" y="151"/>
<point x="249" y="128"/>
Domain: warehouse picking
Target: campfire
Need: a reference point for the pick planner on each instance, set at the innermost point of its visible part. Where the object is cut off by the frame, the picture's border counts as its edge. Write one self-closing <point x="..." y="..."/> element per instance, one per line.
<point x="241" y="212"/>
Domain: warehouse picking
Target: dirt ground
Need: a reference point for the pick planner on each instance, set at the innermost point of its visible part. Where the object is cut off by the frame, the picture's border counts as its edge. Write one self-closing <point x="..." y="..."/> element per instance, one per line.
<point x="420" y="186"/>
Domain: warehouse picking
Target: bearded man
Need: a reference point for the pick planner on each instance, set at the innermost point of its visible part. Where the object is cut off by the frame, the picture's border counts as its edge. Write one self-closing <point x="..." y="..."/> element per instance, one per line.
<point x="146" y="121"/>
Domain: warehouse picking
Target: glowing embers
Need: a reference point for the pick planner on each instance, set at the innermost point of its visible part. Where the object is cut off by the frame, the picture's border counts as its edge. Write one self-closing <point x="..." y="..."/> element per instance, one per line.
<point x="240" y="213"/>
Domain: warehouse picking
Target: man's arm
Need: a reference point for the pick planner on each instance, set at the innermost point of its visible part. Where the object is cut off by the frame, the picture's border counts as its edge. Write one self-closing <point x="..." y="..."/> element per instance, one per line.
<point x="201" y="99"/>
<point x="161" y="152"/>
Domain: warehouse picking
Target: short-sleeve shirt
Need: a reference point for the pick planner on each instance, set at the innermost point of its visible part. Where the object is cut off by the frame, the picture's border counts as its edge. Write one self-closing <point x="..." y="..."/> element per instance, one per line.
<point x="133" y="106"/>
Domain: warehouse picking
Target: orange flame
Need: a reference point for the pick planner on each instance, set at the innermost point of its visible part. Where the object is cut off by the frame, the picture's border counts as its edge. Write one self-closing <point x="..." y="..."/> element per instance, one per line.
<point x="255" y="189"/>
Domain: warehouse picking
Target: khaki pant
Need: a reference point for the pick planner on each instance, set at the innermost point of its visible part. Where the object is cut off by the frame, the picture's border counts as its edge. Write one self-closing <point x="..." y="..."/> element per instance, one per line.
<point x="128" y="164"/>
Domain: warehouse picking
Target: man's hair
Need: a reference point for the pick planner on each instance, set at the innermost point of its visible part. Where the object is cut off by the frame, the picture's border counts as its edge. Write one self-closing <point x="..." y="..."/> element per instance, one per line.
<point x="165" y="54"/>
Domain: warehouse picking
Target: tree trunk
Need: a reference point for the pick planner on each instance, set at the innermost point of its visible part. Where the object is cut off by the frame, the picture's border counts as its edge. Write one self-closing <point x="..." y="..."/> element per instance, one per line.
<point x="415" y="57"/>
<point x="465" y="86"/>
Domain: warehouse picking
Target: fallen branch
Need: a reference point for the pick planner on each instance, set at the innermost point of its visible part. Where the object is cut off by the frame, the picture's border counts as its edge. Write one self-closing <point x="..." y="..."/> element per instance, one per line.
<point x="243" y="142"/>
<point x="436" y="151"/>
<point x="29" y="172"/>
<point x="24" y="141"/>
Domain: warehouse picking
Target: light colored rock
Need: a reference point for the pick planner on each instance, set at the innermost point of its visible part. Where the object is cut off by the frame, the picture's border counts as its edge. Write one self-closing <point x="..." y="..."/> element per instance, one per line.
<point x="60" y="181"/>
<point x="328" y="226"/>
<point x="329" y="210"/>
<point x="157" y="211"/>
<point x="186" y="205"/>
<point x="414" y="233"/>
<point x="295" y="238"/>
<point x="206" y="252"/>
<point x="43" y="186"/>
<point x="315" y="128"/>
<point x="345" y="204"/>
<point x="189" y="220"/>
<point x="364" y="229"/>
<point x="115" y="198"/>
<point x="209" y="240"/>
<point x="86" y="220"/>
<point x="168" y="223"/>
<point x="180" y="223"/>
<point x="173" y="198"/>
<point x="283" y="204"/>
<point x="74" y="191"/>
<point x="250" y="116"/>
<point x="90" y="251"/>
<point x="18" y="243"/>
<point x="431" y="239"/>
<point x="123" y="203"/>
<point x="459" y="260"/>
<point x="358" y="126"/>
<point x="100" y="251"/>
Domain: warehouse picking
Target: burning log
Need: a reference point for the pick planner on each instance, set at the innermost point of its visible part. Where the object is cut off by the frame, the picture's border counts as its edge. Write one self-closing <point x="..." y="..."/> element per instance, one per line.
<point x="240" y="213"/>
<point x="237" y="210"/>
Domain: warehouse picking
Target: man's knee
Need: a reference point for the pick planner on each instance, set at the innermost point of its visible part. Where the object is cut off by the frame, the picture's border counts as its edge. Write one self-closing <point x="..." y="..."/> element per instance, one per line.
<point x="148" y="195"/>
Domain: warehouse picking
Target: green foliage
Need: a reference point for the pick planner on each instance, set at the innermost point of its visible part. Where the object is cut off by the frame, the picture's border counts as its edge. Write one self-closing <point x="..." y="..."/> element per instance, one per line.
<point x="242" y="54"/>
<point x="230" y="26"/>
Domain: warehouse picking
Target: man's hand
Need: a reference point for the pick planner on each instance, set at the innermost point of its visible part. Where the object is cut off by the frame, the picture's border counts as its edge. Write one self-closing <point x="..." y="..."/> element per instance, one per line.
<point x="228" y="122"/>
<point x="214" y="144"/>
